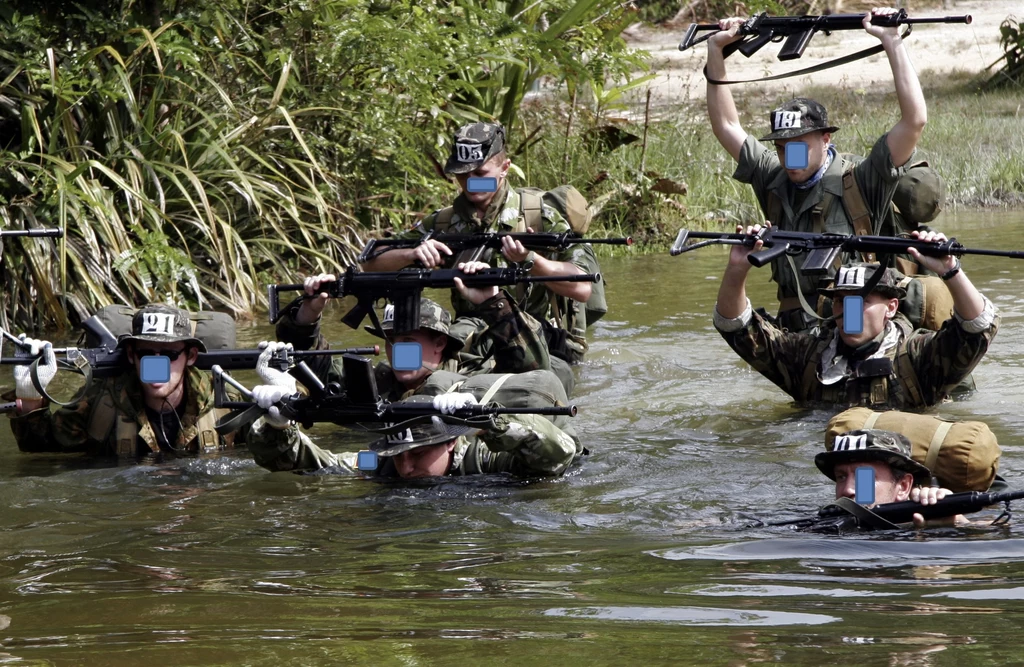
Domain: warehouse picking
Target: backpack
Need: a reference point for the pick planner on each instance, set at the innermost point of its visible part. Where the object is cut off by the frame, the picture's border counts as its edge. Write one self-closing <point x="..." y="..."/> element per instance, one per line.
<point x="216" y="330"/>
<point x="964" y="456"/>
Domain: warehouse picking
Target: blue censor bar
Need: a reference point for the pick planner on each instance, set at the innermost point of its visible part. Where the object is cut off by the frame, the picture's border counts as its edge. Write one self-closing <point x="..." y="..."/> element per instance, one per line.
<point x="367" y="460"/>
<point x="865" y="483"/>
<point x="155" y="369"/>
<point x="796" y="155"/>
<point x="853" y="314"/>
<point x="481" y="184"/>
<point x="406" y="356"/>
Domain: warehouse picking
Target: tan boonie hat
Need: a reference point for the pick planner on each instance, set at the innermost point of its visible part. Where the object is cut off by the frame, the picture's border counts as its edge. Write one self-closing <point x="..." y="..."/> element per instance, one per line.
<point x="871" y="445"/>
<point x="160" y="323"/>
<point x="796" y="118"/>
<point x="856" y="277"/>
<point x="473" y="145"/>
<point x="432" y="317"/>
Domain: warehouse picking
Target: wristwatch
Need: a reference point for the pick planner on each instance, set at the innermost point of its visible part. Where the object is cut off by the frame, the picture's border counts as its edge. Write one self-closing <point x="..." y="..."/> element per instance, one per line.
<point x="952" y="272"/>
<point x="527" y="264"/>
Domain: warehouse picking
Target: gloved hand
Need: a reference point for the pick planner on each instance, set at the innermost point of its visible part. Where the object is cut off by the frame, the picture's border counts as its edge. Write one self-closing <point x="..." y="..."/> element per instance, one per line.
<point x="267" y="396"/>
<point x="448" y="403"/>
<point x="278" y="384"/>
<point x="45" y="370"/>
<point x="271" y="375"/>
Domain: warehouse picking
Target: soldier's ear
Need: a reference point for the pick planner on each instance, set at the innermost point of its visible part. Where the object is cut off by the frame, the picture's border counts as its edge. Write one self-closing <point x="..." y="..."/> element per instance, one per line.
<point x="192" y="356"/>
<point x="892" y="308"/>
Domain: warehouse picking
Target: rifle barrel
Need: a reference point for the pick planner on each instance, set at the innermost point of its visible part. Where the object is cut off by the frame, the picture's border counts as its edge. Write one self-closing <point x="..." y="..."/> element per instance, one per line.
<point x="52" y="232"/>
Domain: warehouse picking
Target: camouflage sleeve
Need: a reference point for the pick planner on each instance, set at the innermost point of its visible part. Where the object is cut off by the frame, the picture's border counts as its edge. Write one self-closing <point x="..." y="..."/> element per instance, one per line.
<point x="516" y="337"/>
<point x="63" y="430"/>
<point x="291" y="449"/>
<point x="308" y="337"/>
<point x="524" y="445"/>
<point x="781" y="356"/>
<point x="941" y="359"/>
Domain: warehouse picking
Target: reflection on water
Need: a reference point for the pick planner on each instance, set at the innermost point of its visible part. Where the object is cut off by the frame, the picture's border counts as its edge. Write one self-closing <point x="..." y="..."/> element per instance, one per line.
<point x="640" y="554"/>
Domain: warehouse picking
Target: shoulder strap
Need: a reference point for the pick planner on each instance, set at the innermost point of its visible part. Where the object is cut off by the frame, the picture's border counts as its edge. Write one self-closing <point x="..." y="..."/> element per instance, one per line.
<point x="443" y="219"/>
<point x="936" y="444"/>
<point x="494" y="388"/>
<point x="853" y="200"/>
<point x="907" y="374"/>
<point x="531" y="206"/>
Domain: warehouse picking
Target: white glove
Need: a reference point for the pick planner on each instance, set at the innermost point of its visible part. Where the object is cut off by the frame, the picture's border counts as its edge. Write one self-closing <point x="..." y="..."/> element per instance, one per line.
<point x="46" y="369"/>
<point x="267" y="396"/>
<point x="448" y="403"/>
<point x="272" y="376"/>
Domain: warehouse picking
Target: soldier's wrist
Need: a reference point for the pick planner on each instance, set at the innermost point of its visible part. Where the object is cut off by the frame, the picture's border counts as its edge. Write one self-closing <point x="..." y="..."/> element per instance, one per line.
<point x="948" y="275"/>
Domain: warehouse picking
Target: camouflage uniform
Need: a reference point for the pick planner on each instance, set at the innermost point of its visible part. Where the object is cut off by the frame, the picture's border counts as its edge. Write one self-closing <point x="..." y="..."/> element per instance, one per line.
<point x="514" y="337"/>
<point x="801" y="210"/>
<point x="925" y="365"/>
<point x="523" y="445"/>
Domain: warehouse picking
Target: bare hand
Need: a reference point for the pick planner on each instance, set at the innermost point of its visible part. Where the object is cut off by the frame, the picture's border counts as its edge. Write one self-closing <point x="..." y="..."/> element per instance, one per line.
<point x="730" y="32"/>
<point x="938" y="265"/>
<point x="475" y="295"/>
<point x="311" y="309"/>
<point x="930" y="495"/>
<point x="431" y="254"/>
<point x="513" y="249"/>
<point x="739" y="253"/>
<point x="878" y="31"/>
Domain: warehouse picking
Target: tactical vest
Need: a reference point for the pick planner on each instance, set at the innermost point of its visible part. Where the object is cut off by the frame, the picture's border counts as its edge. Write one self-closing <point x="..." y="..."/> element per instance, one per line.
<point x="896" y="388"/>
<point x="107" y="424"/>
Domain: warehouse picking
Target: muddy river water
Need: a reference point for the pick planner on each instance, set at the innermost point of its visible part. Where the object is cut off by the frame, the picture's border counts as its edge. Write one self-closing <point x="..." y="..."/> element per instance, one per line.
<point x="640" y="555"/>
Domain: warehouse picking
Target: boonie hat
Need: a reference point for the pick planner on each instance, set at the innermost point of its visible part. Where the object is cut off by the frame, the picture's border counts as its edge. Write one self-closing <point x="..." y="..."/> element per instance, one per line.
<point x="433" y="433"/>
<point x="797" y="118"/>
<point x="855" y="278"/>
<point x="473" y="145"/>
<point x="871" y="445"/>
<point x="160" y="323"/>
<point x="432" y="317"/>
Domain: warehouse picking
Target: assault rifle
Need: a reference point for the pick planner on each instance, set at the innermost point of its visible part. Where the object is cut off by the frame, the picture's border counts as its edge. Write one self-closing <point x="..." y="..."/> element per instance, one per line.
<point x="458" y="243"/>
<point x="404" y="288"/>
<point x="966" y="502"/>
<point x="797" y="31"/>
<point x="108" y="361"/>
<point x="357" y="403"/>
<point x="823" y="248"/>
<point x="53" y="232"/>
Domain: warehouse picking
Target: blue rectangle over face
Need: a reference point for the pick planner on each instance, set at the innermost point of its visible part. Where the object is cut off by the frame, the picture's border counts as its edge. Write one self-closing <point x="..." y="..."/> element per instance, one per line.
<point x="155" y="369"/>
<point x="406" y="356"/>
<point x="853" y="314"/>
<point x="865" y="486"/>
<point x="796" y="155"/>
<point x="481" y="184"/>
<point x="367" y="460"/>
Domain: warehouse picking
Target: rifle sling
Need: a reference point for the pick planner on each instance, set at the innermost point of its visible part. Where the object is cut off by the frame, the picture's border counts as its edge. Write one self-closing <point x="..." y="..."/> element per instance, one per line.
<point x="836" y="62"/>
<point x="237" y="419"/>
<point x="865" y="517"/>
<point x="79" y="365"/>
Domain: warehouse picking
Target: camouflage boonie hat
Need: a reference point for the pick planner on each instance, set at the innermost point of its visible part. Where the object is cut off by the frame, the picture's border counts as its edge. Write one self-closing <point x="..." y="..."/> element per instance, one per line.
<point x="160" y="323"/>
<point x="871" y="445"/>
<point x="432" y="317"/>
<point x="433" y="433"/>
<point x="796" y="118"/>
<point x="855" y="278"/>
<point x="473" y="145"/>
<point x="920" y="194"/>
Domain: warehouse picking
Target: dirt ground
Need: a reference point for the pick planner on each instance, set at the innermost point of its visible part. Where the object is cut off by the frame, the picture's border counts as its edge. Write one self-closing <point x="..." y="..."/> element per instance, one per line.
<point x="940" y="48"/>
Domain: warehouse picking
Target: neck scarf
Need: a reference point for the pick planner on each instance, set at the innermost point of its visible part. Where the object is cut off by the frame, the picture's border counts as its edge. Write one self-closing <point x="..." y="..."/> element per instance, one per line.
<point x="830" y="155"/>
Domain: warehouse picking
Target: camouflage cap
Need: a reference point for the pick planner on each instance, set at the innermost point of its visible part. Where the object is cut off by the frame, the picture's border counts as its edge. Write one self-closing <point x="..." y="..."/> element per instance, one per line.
<point x="920" y="194"/>
<point x="432" y="317"/>
<point x="796" y="118"/>
<point x="473" y="145"/>
<point x="871" y="445"/>
<point x="856" y="277"/>
<point x="434" y="432"/>
<point x="160" y="323"/>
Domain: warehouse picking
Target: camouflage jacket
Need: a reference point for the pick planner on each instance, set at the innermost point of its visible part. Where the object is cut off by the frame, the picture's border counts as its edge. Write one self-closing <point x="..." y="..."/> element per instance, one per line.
<point x="513" y="339"/>
<point x="523" y="445"/>
<point x="877" y="179"/>
<point x="923" y="366"/>
<point x="91" y="425"/>
<point x="505" y="215"/>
